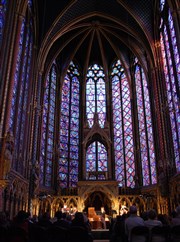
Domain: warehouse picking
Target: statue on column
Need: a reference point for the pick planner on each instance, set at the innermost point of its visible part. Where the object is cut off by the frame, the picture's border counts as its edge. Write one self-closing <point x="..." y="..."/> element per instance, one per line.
<point x="8" y="153"/>
<point x="36" y="178"/>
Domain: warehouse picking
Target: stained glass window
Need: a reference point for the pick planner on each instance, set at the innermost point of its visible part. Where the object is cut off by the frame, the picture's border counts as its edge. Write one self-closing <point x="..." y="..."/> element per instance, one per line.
<point x="69" y="129"/>
<point x="48" y="129"/>
<point x="147" y="152"/>
<point x="96" y="161"/>
<point x="95" y="95"/>
<point x="19" y="107"/>
<point x="171" y="59"/>
<point x="162" y="3"/>
<point x="30" y="3"/>
<point x="3" y="9"/>
<point x="122" y="124"/>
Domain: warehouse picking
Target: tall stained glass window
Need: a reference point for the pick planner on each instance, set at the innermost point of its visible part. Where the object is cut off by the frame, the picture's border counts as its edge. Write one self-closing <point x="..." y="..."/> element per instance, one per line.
<point x="3" y="9"/>
<point x="95" y="95"/>
<point x="122" y="124"/>
<point x="96" y="161"/>
<point x="69" y="129"/>
<point x="171" y="66"/>
<point x="19" y="107"/>
<point x="147" y="152"/>
<point x="48" y="129"/>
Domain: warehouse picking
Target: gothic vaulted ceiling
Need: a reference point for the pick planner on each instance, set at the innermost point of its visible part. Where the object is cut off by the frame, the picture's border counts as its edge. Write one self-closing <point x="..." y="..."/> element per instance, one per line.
<point x="94" y="30"/>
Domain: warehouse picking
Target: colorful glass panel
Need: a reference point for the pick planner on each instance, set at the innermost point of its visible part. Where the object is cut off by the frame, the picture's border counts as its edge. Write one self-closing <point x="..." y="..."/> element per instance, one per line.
<point x="170" y="57"/>
<point x="17" y="76"/>
<point x="145" y="128"/>
<point x="3" y="9"/>
<point x="48" y="129"/>
<point x="162" y="3"/>
<point x="19" y="105"/>
<point x="69" y="129"/>
<point x="96" y="161"/>
<point x="95" y="95"/>
<point x="122" y="123"/>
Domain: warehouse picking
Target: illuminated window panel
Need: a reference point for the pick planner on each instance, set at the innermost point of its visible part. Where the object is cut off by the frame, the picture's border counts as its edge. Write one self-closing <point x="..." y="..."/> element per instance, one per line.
<point x="145" y="128"/>
<point x="3" y="9"/>
<point x="17" y="77"/>
<point x="171" y="57"/>
<point x="48" y="129"/>
<point x="96" y="161"/>
<point x="19" y="104"/>
<point x="95" y="95"/>
<point x="69" y="129"/>
<point x="122" y="123"/>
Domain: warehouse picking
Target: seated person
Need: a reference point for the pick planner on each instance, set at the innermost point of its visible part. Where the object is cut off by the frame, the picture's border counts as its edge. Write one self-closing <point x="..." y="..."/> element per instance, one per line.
<point x="152" y="219"/>
<point x="79" y="220"/>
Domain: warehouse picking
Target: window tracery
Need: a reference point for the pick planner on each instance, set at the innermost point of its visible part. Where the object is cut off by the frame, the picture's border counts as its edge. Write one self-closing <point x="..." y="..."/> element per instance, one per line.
<point x="19" y="106"/>
<point x="122" y="125"/>
<point x="171" y="67"/>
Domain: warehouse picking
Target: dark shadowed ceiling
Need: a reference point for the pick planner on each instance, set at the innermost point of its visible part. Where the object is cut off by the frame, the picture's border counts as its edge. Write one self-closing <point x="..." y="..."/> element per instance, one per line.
<point x="95" y="30"/>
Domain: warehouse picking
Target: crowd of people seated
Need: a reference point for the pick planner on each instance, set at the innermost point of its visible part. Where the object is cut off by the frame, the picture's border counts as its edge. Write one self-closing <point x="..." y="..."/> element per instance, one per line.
<point x="23" y="228"/>
<point x="127" y="227"/>
<point x="148" y="227"/>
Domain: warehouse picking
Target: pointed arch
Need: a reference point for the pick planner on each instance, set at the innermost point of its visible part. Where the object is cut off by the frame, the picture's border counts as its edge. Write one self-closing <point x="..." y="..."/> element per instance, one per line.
<point x="95" y="95"/>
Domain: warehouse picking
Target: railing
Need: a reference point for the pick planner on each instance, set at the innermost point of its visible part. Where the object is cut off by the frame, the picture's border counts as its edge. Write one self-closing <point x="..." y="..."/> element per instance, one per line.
<point x="72" y="191"/>
<point x="128" y="191"/>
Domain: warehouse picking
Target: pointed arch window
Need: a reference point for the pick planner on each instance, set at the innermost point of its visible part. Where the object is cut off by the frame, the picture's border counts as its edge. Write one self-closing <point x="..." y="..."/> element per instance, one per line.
<point x="19" y="106"/>
<point x="69" y="129"/>
<point x="96" y="161"/>
<point x="122" y="126"/>
<point x="147" y="152"/>
<point x="95" y="95"/>
<point x="3" y="10"/>
<point x="48" y="129"/>
<point x="171" y="66"/>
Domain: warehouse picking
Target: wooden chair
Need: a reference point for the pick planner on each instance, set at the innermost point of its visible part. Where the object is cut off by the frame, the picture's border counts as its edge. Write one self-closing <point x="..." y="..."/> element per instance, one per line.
<point x="3" y="234"/>
<point x="140" y="234"/>
<point x="175" y="233"/>
<point x="17" y="234"/>
<point x="57" y="234"/>
<point x="79" y="234"/>
<point x="159" y="234"/>
<point x="37" y="234"/>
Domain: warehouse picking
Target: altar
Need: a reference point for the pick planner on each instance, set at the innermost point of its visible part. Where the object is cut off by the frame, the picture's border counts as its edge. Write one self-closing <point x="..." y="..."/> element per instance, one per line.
<point x="98" y="221"/>
<point x="98" y="194"/>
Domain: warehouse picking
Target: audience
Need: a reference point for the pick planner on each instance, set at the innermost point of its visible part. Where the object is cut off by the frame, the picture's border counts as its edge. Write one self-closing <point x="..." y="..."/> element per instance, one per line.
<point x="61" y="220"/>
<point x="120" y="228"/>
<point x="80" y="220"/>
<point x="21" y="221"/>
<point x="132" y="221"/>
<point x="4" y="222"/>
<point x="164" y="218"/>
<point x="152" y="220"/>
<point x="44" y="220"/>
<point x="176" y="219"/>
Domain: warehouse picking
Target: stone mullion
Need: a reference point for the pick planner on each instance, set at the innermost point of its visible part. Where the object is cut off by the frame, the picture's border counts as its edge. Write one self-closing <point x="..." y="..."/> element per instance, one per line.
<point x="34" y="135"/>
